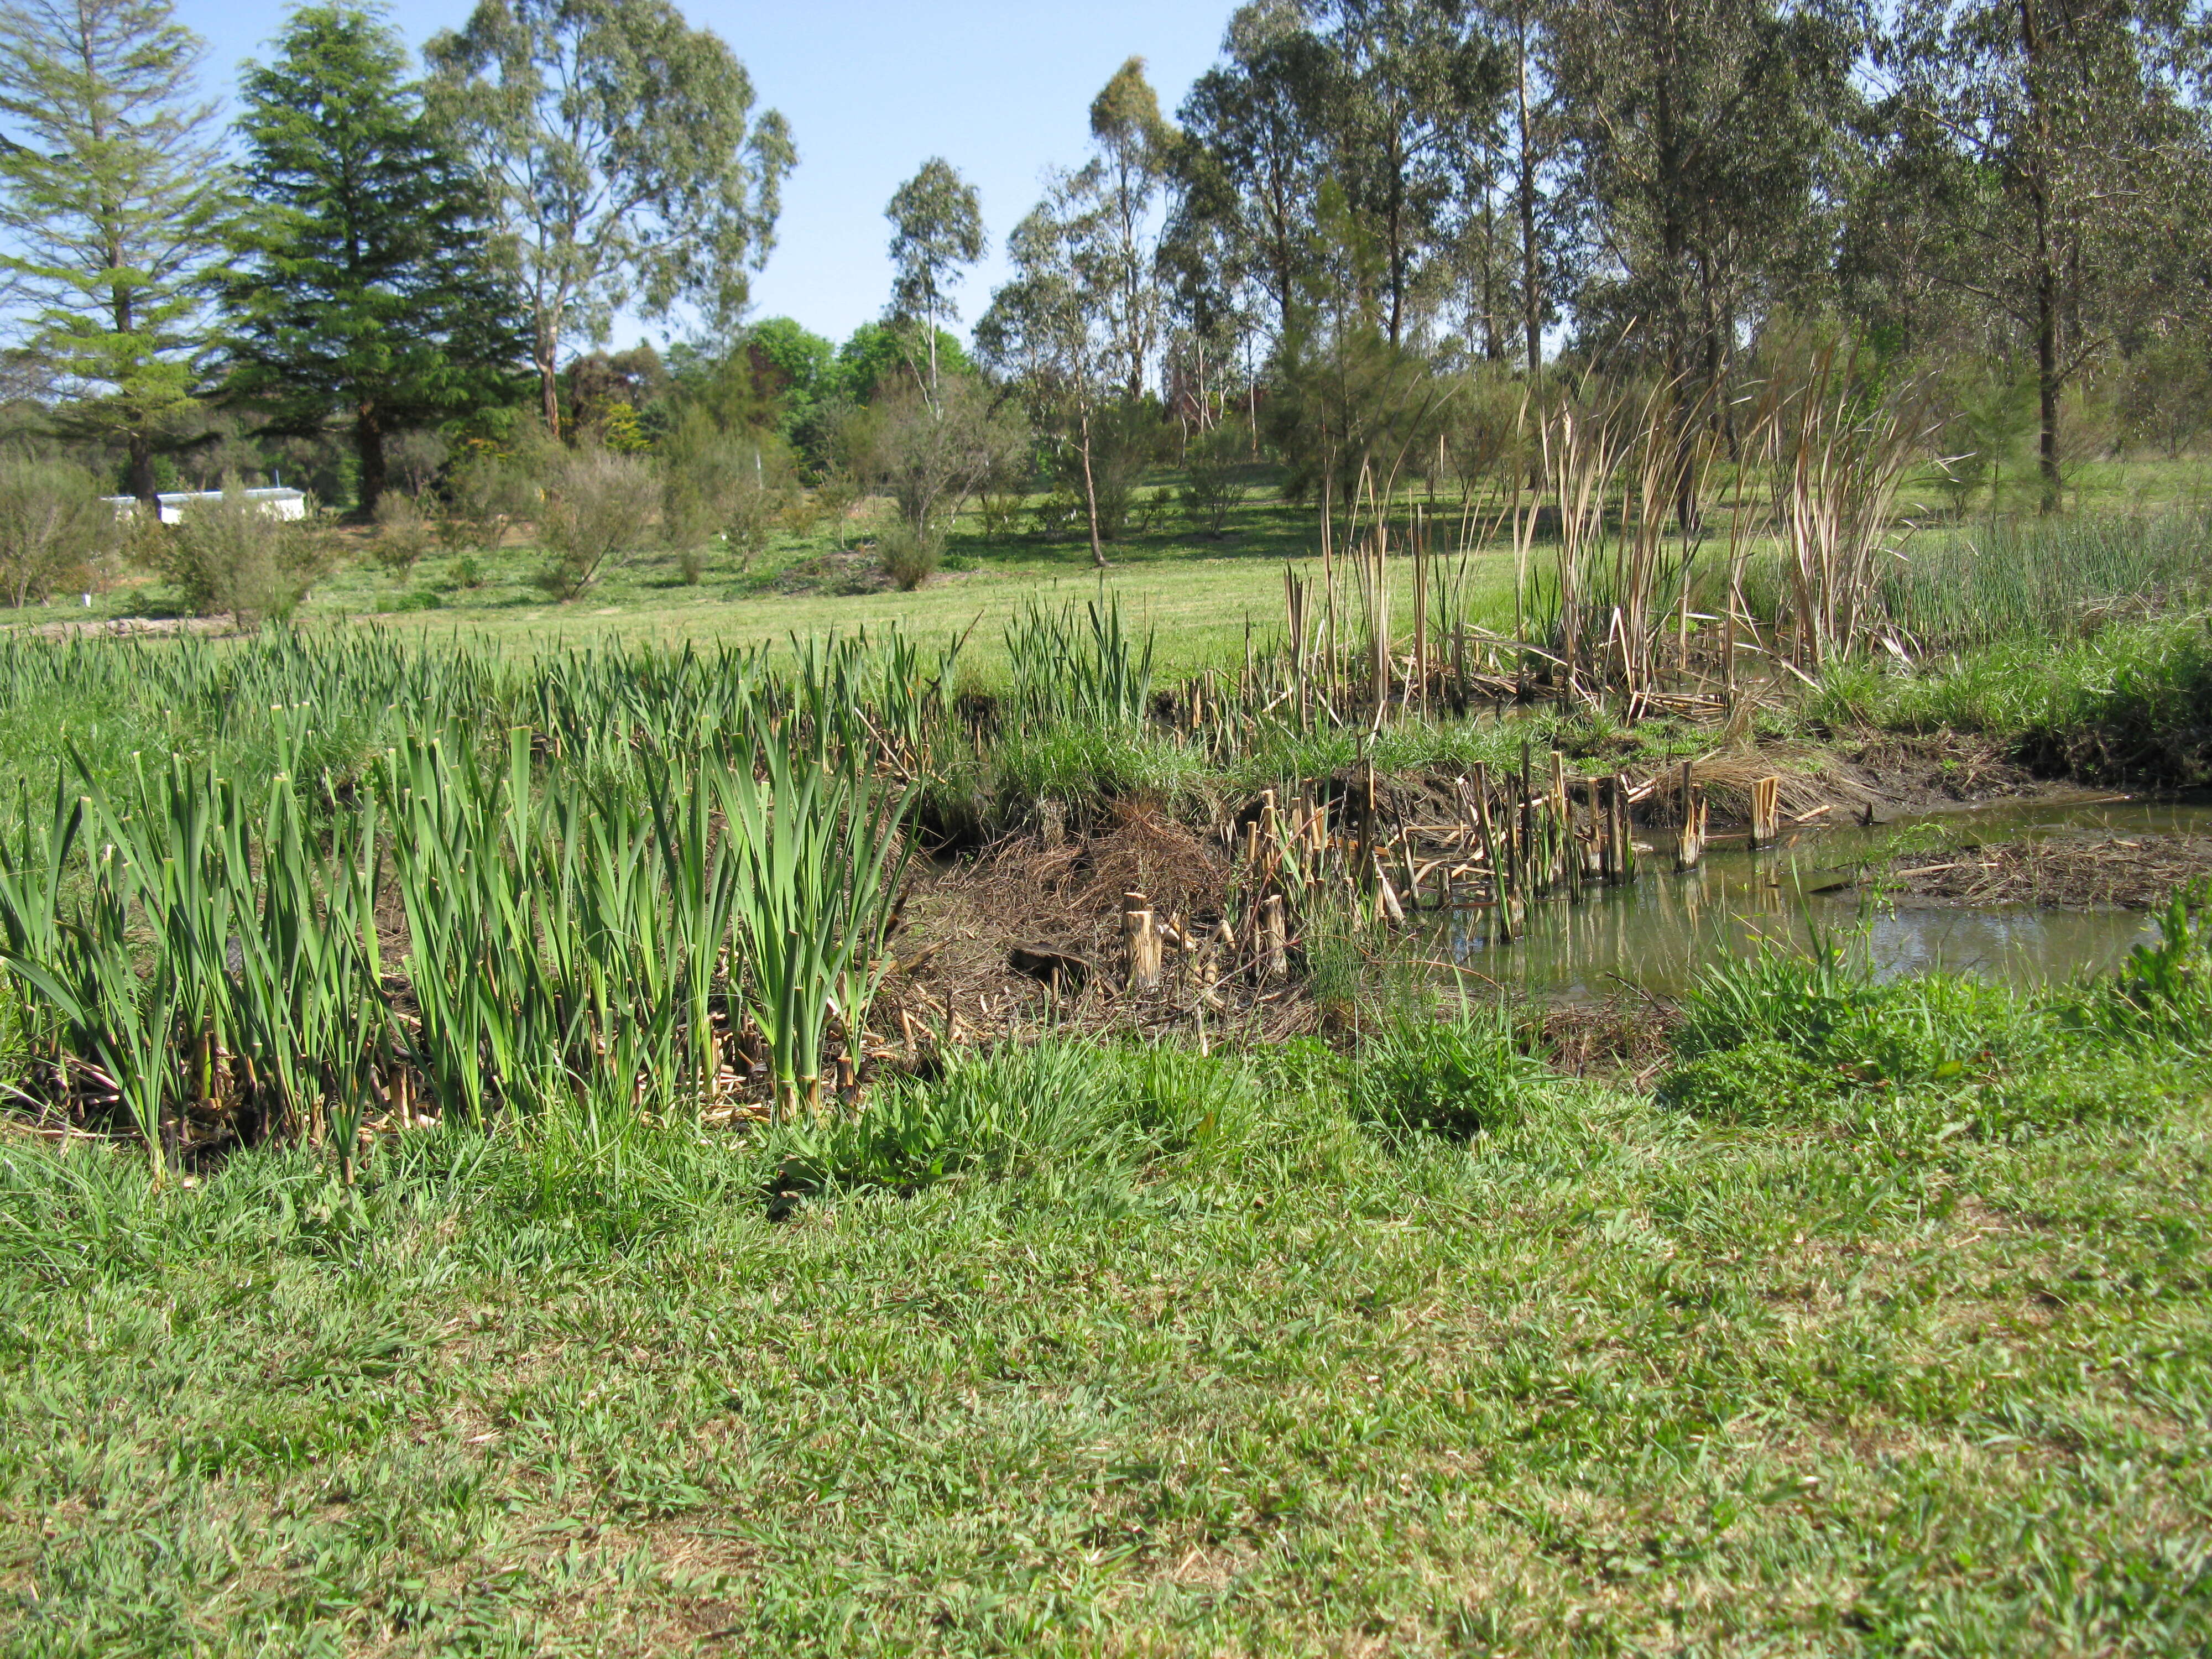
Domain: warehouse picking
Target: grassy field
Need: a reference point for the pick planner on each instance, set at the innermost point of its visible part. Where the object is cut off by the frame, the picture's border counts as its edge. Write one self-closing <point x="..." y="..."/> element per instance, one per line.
<point x="1129" y="1350"/>
<point x="1200" y="593"/>
<point x="1814" y="1315"/>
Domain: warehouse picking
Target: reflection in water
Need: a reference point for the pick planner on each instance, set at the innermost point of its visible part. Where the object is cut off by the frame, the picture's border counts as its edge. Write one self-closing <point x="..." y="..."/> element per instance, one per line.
<point x="1660" y="932"/>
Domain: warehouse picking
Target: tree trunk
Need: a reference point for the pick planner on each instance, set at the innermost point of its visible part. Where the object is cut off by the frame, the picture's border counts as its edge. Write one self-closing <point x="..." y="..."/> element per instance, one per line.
<point x="1090" y="495"/>
<point x="548" y="383"/>
<point x="2046" y="270"/>
<point x="141" y="471"/>
<point x="368" y="446"/>
<point x="1532" y="298"/>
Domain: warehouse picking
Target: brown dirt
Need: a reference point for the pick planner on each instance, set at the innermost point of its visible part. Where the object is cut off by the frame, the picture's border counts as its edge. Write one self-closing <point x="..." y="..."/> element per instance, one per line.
<point x="964" y="922"/>
<point x="121" y="628"/>
<point x="2084" y="873"/>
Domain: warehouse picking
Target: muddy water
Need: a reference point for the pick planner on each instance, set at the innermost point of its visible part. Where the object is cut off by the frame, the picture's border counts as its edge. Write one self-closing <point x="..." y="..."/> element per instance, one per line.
<point x="1658" y="934"/>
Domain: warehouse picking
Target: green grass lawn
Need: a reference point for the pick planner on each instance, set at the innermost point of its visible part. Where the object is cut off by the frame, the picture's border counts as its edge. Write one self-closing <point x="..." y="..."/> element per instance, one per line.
<point x="1198" y="591"/>
<point x="1172" y="1356"/>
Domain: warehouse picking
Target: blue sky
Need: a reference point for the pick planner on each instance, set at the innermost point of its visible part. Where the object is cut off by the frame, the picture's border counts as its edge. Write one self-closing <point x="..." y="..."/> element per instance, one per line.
<point x="872" y="90"/>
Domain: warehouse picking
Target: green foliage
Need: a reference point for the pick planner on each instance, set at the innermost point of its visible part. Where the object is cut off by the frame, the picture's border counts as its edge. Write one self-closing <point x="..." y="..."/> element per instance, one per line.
<point x="1455" y="1078"/>
<point x="54" y="528"/>
<point x="403" y="535"/>
<point x="483" y="495"/>
<point x="931" y="455"/>
<point x="2164" y="991"/>
<point x="234" y="555"/>
<point x="723" y="482"/>
<point x="909" y="557"/>
<point x="1083" y="670"/>
<point x="881" y="357"/>
<point x="1123" y="439"/>
<point x="1213" y="482"/>
<point x="625" y="165"/>
<point x="1758" y="1081"/>
<point x="361" y="283"/>
<point x="599" y="507"/>
<point x="937" y="227"/>
<point x="2166" y="397"/>
<point x="111" y="197"/>
<point x="1829" y="1008"/>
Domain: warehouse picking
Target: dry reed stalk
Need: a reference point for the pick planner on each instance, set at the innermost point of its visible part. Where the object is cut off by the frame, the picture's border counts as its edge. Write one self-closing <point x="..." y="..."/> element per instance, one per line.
<point x="1839" y="457"/>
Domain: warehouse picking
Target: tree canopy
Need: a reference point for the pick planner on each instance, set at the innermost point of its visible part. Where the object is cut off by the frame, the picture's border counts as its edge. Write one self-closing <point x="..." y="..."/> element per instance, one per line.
<point x="364" y="282"/>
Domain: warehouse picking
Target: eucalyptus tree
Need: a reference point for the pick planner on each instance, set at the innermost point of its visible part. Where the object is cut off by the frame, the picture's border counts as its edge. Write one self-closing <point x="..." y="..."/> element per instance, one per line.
<point x="2062" y="156"/>
<point x="1046" y="328"/>
<point x="936" y="227"/>
<point x="1125" y="178"/>
<point x="1407" y="93"/>
<point x="1249" y="166"/>
<point x="1533" y="145"/>
<point x="1699" y="133"/>
<point x="1390" y="101"/>
<point x="625" y="163"/>
<point x="113" y="200"/>
<point x="361" y="283"/>
<point x="1079" y="322"/>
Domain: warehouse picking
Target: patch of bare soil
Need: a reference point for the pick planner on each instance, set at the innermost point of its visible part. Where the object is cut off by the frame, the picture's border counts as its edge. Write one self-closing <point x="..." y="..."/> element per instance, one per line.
<point x="124" y="628"/>
<point x="2084" y="873"/>
<point x="1923" y="773"/>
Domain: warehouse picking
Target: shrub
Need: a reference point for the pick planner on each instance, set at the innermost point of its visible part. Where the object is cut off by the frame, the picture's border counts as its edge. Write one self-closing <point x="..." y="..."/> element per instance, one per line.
<point x="402" y="534"/>
<point x="54" y="528"/>
<point x="985" y="1112"/>
<point x="1771" y="1028"/>
<point x="232" y="555"/>
<point x="930" y="455"/>
<point x="599" y="508"/>
<point x="483" y="495"/>
<point x="1000" y="512"/>
<point x="800" y="515"/>
<point x="417" y="456"/>
<point x="1454" y="1077"/>
<point x="910" y="558"/>
<point x="837" y="495"/>
<point x="1787" y="997"/>
<point x="2164" y="990"/>
<point x="733" y="484"/>
<point x="1060" y="515"/>
<point x="1210" y="489"/>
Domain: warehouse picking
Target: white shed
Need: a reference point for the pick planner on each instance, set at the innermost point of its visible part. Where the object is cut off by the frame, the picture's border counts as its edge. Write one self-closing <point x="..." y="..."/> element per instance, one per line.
<point x="276" y="503"/>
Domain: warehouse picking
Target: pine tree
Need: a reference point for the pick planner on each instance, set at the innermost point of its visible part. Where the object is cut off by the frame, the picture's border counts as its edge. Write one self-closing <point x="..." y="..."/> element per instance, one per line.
<point x="112" y="194"/>
<point x="365" y="286"/>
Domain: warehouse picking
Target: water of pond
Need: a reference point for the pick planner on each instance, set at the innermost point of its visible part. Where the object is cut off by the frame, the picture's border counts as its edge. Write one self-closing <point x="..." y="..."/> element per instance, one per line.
<point x="1658" y="934"/>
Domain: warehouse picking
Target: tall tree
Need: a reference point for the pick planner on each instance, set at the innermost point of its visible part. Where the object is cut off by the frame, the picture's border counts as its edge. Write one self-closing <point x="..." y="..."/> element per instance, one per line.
<point x="1532" y="144"/>
<point x="1409" y="89"/>
<point x="363" y="285"/>
<point x="2069" y="162"/>
<point x="113" y="198"/>
<point x="1049" y="326"/>
<point x="1134" y="147"/>
<point x="936" y="227"/>
<point x="625" y="164"/>
<point x="1698" y="130"/>
<point x="1250" y="164"/>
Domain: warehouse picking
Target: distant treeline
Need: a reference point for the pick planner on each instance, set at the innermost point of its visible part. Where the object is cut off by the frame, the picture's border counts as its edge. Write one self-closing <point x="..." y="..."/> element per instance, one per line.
<point x="1366" y="218"/>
